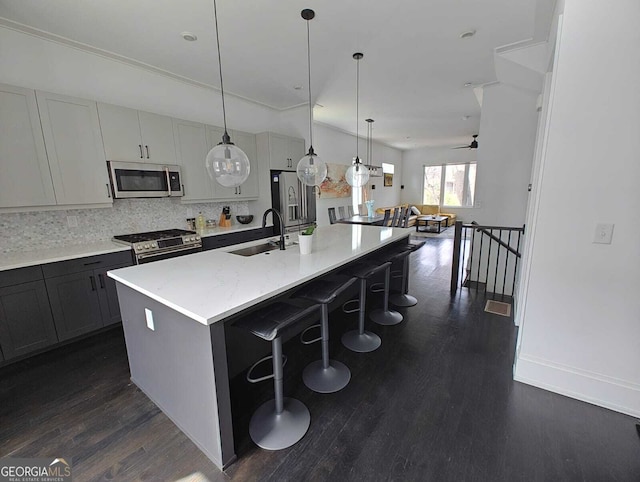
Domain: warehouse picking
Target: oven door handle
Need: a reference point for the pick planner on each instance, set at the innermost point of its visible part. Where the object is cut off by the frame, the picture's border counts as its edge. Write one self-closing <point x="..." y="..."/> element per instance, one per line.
<point x="191" y="247"/>
<point x="166" y="171"/>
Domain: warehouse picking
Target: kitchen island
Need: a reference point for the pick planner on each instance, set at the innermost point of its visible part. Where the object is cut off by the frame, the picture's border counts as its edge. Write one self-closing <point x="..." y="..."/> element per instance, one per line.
<point x="174" y="313"/>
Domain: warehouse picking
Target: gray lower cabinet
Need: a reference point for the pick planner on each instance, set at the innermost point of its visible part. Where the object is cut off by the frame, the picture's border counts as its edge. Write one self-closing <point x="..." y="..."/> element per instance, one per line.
<point x="108" y="295"/>
<point x="74" y="303"/>
<point x="26" y="324"/>
<point x="82" y="297"/>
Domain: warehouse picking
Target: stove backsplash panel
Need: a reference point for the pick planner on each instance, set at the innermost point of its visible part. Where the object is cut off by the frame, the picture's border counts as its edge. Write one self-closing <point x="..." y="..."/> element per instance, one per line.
<point x="49" y="229"/>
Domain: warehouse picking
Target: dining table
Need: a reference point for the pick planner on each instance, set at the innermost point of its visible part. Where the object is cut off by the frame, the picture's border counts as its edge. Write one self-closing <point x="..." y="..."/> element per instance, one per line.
<point x="358" y="219"/>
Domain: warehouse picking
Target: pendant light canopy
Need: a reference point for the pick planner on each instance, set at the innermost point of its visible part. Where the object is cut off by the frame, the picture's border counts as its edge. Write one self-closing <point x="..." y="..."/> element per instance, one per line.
<point x="227" y="164"/>
<point x="358" y="174"/>
<point x="311" y="169"/>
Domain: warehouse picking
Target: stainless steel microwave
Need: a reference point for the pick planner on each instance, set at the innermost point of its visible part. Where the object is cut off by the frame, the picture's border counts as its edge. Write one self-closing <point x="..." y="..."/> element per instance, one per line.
<point x="139" y="179"/>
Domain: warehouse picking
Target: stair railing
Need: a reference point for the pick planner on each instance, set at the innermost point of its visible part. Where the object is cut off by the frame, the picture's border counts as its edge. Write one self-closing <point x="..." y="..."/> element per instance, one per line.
<point x="486" y="257"/>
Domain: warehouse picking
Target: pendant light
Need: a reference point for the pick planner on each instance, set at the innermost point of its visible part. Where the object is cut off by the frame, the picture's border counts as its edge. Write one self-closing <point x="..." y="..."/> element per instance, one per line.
<point x="226" y="163"/>
<point x="369" y="141"/>
<point x="311" y="169"/>
<point x="358" y="174"/>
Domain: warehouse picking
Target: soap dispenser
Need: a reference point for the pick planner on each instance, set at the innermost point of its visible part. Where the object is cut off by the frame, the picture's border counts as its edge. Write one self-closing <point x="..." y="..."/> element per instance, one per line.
<point x="200" y="222"/>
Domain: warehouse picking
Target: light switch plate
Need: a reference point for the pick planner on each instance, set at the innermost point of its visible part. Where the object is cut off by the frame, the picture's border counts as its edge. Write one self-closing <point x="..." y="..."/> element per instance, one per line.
<point x="148" y="314"/>
<point x="603" y="234"/>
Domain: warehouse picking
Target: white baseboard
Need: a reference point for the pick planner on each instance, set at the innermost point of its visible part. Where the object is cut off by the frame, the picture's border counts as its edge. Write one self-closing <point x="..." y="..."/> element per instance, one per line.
<point x="611" y="393"/>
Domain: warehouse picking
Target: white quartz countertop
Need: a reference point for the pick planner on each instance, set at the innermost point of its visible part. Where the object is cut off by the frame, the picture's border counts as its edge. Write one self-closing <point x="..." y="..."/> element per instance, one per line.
<point x="63" y="253"/>
<point x="213" y="285"/>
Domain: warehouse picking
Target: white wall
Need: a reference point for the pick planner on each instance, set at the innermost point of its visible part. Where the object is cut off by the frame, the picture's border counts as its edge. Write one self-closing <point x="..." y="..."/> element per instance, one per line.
<point x="505" y="155"/>
<point x="581" y="322"/>
<point x="337" y="147"/>
<point x="412" y="168"/>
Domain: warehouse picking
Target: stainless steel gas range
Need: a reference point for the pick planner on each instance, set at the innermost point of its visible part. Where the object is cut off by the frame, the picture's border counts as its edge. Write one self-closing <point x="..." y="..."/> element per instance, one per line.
<point x="157" y="245"/>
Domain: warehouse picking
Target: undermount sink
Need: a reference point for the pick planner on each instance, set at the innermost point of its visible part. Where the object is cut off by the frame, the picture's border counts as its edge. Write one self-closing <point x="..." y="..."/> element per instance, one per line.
<point x="252" y="250"/>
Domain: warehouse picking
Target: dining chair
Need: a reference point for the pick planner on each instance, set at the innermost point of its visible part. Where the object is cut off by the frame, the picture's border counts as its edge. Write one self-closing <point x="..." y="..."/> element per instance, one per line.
<point x="350" y="210"/>
<point x="341" y="212"/>
<point x="398" y="223"/>
<point x="362" y="210"/>
<point x="387" y="215"/>
<point x="332" y="215"/>
<point x="394" y="217"/>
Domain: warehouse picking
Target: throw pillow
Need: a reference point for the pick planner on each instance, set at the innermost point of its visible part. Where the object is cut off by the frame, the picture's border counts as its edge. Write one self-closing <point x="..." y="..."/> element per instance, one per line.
<point x="415" y="211"/>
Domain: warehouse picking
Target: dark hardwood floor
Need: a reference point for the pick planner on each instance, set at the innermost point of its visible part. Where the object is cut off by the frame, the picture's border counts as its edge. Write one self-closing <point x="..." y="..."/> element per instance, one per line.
<point x="435" y="402"/>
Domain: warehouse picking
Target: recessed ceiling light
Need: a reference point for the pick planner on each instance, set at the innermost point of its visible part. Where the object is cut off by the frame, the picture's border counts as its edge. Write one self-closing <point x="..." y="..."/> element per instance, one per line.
<point x="468" y="84"/>
<point x="466" y="117"/>
<point x="297" y="87"/>
<point x="189" y="37"/>
<point x="468" y="34"/>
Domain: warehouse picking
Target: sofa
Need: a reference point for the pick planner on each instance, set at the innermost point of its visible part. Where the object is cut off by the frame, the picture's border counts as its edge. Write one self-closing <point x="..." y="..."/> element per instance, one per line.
<point x="425" y="209"/>
<point x="434" y="210"/>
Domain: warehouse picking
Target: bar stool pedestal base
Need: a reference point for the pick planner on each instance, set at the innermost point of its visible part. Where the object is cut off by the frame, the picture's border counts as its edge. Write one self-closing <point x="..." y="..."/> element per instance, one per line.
<point x="272" y="431"/>
<point x="326" y="380"/>
<point x="386" y="317"/>
<point x="402" y="300"/>
<point x="361" y="343"/>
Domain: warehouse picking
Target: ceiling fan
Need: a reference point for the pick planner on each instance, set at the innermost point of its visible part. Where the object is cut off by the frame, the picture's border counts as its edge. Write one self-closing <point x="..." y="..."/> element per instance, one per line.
<point x="473" y="145"/>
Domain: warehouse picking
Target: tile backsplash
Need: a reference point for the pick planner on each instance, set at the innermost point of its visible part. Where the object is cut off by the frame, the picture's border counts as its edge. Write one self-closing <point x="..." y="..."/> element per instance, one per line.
<point x="49" y="229"/>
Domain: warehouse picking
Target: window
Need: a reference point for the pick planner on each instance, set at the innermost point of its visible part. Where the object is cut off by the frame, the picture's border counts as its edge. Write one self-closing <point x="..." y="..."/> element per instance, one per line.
<point x="451" y="185"/>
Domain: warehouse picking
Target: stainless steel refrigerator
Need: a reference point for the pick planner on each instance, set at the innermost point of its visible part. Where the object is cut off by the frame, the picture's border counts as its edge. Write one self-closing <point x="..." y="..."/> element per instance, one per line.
<point x="296" y="203"/>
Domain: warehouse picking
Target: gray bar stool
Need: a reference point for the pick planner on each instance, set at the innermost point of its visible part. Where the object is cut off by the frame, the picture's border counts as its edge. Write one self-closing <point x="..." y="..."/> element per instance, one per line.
<point x="325" y="375"/>
<point x="359" y="340"/>
<point x="385" y="316"/>
<point x="404" y="299"/>
<point x="281" y="422"/>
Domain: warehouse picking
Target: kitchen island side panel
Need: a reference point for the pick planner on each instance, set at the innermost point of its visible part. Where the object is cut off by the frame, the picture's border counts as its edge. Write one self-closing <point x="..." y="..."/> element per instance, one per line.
<point x="173" y="364"/>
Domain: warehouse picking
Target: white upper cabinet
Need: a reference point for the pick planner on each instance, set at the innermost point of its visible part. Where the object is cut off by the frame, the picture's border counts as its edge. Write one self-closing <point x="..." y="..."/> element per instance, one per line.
<point x="192" y="149"/>
<point x="132" y="135"/>
<point x="25" y="179"/>
<point x="74" y="147"/>
<point x="282" y="152"/>
<point x="159" y="145"/>
<point x="247" y="142"/>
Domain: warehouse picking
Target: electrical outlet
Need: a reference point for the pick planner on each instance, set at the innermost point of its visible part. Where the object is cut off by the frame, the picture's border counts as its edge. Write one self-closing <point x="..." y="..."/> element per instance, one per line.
<point x="603" y="234"/>
<point x="72" y="221"/>
<point x="148" y="314"/>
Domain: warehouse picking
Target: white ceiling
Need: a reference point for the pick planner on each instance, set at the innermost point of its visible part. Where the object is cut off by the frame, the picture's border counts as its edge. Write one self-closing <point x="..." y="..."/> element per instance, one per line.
<point x="412" y="75"/>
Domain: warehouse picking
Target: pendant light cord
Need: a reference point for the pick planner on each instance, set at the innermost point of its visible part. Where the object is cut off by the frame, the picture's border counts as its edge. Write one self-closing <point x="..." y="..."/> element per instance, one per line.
<point x="357" y="109"/>
<point x="224" y="112"/>
<point x="309" y="77"/>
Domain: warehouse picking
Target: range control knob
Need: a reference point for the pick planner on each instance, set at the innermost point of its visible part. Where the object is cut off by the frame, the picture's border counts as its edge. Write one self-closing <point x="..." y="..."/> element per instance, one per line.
<point x="146" y="246"/>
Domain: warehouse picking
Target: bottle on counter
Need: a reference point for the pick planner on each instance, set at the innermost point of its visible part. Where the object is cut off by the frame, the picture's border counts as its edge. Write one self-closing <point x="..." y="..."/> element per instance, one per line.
<point x="200" y="222"/>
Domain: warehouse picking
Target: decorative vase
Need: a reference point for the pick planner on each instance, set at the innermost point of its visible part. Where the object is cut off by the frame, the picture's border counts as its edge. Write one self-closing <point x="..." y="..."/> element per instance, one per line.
<point x="369" y="205"/>
<point x="305" y="240"/>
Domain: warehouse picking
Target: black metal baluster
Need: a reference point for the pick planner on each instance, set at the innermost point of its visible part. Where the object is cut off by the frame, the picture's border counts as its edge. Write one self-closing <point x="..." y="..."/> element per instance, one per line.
<point x="506" y="266"/>
<point x="515" y="269"/>
<point x="495" y="276"/>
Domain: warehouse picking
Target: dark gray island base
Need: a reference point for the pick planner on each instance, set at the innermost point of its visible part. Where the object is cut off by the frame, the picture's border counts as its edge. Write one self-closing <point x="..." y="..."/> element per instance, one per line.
<point x="175" y="312"/>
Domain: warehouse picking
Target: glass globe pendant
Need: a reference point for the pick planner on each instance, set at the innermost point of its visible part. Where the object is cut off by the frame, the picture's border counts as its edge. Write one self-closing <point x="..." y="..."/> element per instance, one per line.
<point x="311" y="170"/>
<point x="226" y="163"/>
<point x="358" y="174"/>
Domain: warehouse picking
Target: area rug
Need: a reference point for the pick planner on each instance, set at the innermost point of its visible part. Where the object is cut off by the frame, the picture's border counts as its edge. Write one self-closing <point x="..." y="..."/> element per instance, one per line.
<point x="446" y="233"/>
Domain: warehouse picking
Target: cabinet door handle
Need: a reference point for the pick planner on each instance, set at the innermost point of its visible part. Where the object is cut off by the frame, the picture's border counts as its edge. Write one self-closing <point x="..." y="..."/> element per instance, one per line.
<point x="93" y="283"/>
<point x="239" y="190"/>
<point x="166" y="170"/>
<point x="184" y="191"/>
<point x="108" y="190"/>
<point x="147" y="148"/>
<point x="141" y="154"/>
<point x="101" y="278"/>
